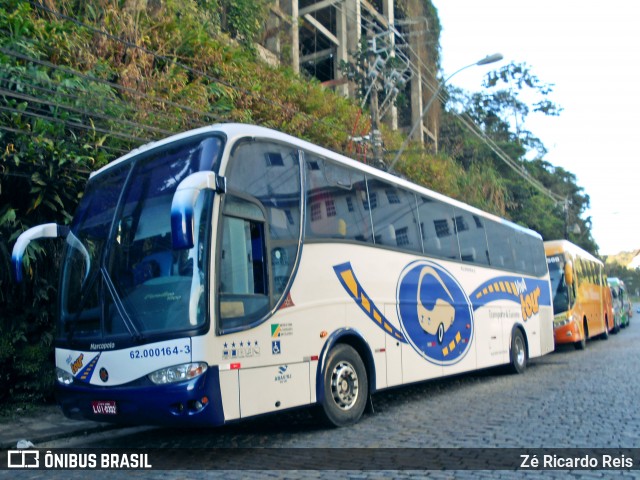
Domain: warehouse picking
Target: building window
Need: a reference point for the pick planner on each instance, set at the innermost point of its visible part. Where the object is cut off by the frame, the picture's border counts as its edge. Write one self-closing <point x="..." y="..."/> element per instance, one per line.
<point x="372" y="203"/>
<point x="316" y="212"/>
<point x="442" y="228"/>
<point x="331" y="207"/>
<point x="274" y="159"/>
<point x="402" y="237"/>
<point x="350" y="204"/>
<point x="461" y="225"/>
<point x="392" y="196"/>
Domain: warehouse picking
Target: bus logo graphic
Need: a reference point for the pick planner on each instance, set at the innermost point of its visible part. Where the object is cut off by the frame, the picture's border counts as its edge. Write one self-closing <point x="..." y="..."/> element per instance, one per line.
<point x="23" y="459"/>
<point x="275" y="330"/>
<point x="435" y="319"/>
<point x="529" y="293"/>
<point x="435" y="313"/>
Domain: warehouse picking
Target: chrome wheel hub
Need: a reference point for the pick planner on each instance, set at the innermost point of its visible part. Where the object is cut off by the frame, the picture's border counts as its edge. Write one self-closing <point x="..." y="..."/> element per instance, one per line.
<point x="344" y="385"/>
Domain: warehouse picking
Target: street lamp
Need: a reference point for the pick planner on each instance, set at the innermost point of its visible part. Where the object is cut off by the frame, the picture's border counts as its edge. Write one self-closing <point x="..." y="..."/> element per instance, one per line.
<point x="485" y="61"/>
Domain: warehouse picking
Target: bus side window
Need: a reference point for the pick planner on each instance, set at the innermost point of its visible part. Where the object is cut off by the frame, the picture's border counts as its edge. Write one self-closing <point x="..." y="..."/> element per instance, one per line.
<point x="529" y="257"/>
<point x="267" y="176"/>
<point x="338" y="206"/>
<point x="471" y="237"/>
<point x="438" y="231"/>
<point x="499" y="240"/>
<point x="394" y="221"/>
<point x="243" y="272"/>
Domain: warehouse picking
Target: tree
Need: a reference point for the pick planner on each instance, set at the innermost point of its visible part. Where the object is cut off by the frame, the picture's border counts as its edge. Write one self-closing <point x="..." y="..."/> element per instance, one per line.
<point x="538" y="193"/>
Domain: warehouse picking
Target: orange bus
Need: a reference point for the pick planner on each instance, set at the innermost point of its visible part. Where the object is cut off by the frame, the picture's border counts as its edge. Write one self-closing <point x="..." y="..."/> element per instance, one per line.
<point x="582" y="305"/>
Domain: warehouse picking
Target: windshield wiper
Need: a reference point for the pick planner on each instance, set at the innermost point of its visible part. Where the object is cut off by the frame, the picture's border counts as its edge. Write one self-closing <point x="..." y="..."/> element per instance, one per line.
<point x="127" y="320"/>
<point x="86" y="288"/>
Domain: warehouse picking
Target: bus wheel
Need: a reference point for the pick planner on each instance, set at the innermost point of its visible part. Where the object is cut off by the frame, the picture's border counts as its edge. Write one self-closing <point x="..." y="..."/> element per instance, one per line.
<point x="605" y="334"/>
<point x="582" y="343"/>
<point x="345" y="387"/>
<point x="518" y="352"/>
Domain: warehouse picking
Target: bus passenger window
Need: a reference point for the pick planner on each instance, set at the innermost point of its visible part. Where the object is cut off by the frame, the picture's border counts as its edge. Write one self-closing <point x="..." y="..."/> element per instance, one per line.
<point x="438" y="232"/>
<point x="337" y="202"/>
<point x="472" y="237"/>
<point x="394" y="220"/>
<point x="500" y="250"/>
<point x="243" y="272"/>
<point x="263" y="191"/>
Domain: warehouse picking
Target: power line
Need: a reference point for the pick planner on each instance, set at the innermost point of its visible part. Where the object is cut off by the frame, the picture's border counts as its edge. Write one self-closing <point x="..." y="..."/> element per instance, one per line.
<point x="117" y="87"/>
<point x="468" y="122"/>
<point x="369" y="25"/>
<point x="173" y="61"/>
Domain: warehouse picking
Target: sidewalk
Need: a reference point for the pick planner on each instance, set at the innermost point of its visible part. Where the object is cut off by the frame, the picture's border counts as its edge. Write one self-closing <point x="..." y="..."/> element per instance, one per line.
<point x="44" y="424"/>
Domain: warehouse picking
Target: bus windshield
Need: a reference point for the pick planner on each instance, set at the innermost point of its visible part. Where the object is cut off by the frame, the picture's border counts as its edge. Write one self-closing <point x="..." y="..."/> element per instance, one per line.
<point x="558" y="285"/>
<point x="120" y="275"/>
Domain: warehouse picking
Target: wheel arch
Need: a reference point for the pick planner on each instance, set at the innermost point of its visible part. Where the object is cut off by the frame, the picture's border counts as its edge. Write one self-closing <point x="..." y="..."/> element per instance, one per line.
<point x="354" y="339"/>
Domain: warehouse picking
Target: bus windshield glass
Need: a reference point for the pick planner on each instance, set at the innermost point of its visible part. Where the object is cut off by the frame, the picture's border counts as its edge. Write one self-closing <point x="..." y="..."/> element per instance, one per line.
<point x="120" y="275"/>
<point x="558" y="284"/>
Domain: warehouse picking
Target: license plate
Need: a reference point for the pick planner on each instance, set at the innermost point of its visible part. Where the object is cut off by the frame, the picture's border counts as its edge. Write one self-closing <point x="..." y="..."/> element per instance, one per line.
<point x="104" y="407"/>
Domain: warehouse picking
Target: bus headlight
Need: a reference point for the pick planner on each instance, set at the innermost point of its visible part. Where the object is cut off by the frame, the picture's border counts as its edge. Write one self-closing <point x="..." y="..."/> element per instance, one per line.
<point x="562" y="322"/>
<point x="178" y="373"/>
<point x="63" y="377"/>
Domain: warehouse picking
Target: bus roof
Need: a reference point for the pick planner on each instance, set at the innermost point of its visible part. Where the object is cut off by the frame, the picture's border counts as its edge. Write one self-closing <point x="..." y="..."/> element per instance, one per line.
<point x="615" y="282"/>
<point x="237" y="131"/>
<point x="554" y="247"/>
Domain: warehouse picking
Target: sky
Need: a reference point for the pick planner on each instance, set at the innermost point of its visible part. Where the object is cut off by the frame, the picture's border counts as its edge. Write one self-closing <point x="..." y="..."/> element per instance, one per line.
<point x="590" y="52"/>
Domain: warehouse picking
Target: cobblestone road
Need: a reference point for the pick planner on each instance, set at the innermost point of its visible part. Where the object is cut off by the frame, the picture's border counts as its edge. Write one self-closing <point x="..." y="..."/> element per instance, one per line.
<point x="567" y="399"/>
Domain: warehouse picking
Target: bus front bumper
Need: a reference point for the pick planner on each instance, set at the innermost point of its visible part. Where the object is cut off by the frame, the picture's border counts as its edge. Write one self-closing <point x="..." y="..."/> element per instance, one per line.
<point x="569" y="333"/>
<point x="195" y="402"/>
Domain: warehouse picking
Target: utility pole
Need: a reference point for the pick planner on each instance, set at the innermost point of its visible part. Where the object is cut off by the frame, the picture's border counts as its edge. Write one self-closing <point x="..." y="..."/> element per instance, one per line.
<point x="566" y="218"/>
<point x="375" y="135"/>
<point x="485" y="61"/>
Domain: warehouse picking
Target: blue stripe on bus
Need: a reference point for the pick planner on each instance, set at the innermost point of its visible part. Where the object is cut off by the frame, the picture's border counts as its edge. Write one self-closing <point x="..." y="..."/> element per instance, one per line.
<point x="353" y="287"/>
<point x="529" y="293"/>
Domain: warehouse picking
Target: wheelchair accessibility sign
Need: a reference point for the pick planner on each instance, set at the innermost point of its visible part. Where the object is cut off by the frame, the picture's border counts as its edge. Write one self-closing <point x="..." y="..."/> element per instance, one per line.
<point x="275" y="347"/>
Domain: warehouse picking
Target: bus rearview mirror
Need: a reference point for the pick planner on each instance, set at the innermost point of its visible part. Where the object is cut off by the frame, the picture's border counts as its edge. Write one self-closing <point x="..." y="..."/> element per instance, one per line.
<point x="46" y="230"/>
<point x="568" y="273"/>
<point x="183" y="205"/>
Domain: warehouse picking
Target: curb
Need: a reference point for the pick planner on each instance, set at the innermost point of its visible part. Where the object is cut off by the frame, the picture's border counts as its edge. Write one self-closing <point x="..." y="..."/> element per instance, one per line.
<point x="46" y="426"/>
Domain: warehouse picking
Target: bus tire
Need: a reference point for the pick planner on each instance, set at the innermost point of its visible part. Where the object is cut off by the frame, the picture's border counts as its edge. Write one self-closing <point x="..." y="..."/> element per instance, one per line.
<point x="582" y="343"/>
<point x="518" y="352"/>
<point x="616" y="325"/>
<point x="346" y="387"/>
<point x="605" y="334"/>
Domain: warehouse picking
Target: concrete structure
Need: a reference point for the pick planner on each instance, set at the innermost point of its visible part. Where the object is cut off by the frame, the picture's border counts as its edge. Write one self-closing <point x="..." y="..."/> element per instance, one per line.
<point x="392" y="53"/>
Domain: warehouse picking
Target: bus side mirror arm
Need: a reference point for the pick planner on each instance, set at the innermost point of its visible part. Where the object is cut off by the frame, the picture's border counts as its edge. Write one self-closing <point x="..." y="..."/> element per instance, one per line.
<point x="568" y="273"/>
<point x="183" y="205"/>
<point x="47" y="230"/>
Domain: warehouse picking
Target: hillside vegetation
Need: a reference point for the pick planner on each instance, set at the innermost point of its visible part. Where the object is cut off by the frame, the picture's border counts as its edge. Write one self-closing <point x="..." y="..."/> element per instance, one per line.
<point x="83" y="82"/>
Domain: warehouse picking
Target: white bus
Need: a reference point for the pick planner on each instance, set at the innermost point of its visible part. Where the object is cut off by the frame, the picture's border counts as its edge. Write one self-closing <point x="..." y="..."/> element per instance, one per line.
<point x="233" y="271"/>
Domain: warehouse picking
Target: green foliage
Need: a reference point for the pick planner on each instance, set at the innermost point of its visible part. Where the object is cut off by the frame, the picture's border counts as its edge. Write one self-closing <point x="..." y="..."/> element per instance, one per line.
<point x="83" y="82"/>
<point x="244" y="19"/>
<point x="630" y="276"/>
<point x="86" y="81"/>
<point x="478" y="187"/>
<point x="536" y="194"/>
